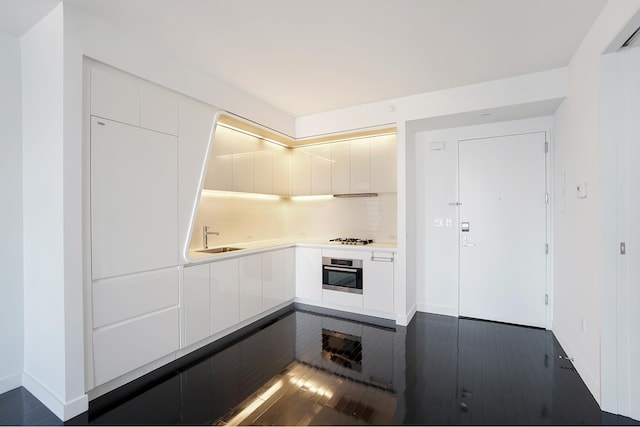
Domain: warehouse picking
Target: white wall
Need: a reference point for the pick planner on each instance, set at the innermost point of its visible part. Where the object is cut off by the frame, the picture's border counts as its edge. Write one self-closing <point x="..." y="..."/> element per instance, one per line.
<point x="436" y="181"/>
<point x="11" y="300"/>
<point x="43" y="178"/>
<point x="578" y="223"/>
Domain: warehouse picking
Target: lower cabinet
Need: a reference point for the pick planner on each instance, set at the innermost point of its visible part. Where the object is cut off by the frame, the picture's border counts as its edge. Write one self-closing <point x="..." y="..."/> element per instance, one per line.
<point x="250" y="286"/>
<point x="136" y="320"/>
<point x="129" y="345"/>
<point x="196" y="302"/>
<point x="278" y="277"/>
<point x="309" y="273"/>
<point x="225" y="308"/>
<point x="378" y="282"/>
<point x="218" y="295"/>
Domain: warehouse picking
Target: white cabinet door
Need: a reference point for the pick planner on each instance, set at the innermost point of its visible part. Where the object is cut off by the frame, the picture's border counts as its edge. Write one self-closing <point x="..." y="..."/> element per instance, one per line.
<point x="300" y="172"/>
<point x="134" y="199"/>
<point x="289" y="275"/>
<point x="124" y="297"/>
<point x="225" y="300"/>
<point x="219" y="174"/>
<point x="115" y="97"/>
<point x="196" y="302"/>
<point x="158" y="109"/>
<point x="360" y="181"/>
<point x="263" y="172"/>
<point x="320" y="169"/>
<point x="282" y="171"/>
<point x="378" y="282"/>
<point x="250" y="286"/>
<point x="383" y="164"/>
<point x="309" y="274"/>
<point x="341" y="167"/>
<point x="243" y="172"/>
<point x="272" y="279"/>
<point x="129" y="345"/>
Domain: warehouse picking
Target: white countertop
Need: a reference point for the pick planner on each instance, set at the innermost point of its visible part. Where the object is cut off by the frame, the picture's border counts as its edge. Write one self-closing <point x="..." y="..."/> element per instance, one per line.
<point x="248" y="248"/>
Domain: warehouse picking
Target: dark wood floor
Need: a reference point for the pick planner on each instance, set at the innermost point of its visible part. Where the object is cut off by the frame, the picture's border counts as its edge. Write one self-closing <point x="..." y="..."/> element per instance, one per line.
<point x="309" y="369"/>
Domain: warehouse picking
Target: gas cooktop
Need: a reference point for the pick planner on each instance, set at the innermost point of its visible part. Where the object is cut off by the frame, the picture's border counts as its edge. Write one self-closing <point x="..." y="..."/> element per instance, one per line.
<point x="350" y="241"/>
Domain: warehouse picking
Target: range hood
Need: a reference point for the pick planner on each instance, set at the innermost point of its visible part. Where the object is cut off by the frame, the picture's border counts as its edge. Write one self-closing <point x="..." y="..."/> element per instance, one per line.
<point x="347" y="195"/>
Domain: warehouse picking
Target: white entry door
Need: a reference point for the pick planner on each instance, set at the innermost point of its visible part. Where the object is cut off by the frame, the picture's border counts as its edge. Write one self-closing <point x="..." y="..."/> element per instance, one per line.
<point x="503" y="228"/>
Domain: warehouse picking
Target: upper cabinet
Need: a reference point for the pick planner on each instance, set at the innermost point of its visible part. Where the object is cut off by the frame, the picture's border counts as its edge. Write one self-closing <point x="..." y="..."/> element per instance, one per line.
<point x="383" y="164"/>
<point x="117" y="98"/>
<point x="246" y="163"/>
<point x="364" y="165"/>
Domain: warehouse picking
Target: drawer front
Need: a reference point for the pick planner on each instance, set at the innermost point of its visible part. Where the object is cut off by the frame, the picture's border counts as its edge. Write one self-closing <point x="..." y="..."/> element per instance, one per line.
<point x="126" y="346"/>
<point x="126" y="297"/>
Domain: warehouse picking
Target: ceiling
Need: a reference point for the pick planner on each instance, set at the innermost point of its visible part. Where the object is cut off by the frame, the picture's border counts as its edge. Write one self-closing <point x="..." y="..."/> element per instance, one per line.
<point x="304" y="57"/>
<point x="18" y="16"/>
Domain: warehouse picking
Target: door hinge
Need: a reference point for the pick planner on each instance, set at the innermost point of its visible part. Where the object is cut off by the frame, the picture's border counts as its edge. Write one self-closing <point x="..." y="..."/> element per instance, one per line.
<point x="546" y="248"/>
<point x="546" y="147"/>
<point x="546" y="299"/>
<point x="546" y="198"/>
<point x="623" y="248"/>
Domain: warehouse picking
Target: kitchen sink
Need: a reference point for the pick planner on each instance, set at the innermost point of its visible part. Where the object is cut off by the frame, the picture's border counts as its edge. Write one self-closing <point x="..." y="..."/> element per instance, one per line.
<point x="220" y="250"/>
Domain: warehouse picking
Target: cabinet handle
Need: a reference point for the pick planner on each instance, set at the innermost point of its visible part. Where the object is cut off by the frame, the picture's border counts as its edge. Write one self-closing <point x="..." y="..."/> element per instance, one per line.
<point x="381" y="259"/>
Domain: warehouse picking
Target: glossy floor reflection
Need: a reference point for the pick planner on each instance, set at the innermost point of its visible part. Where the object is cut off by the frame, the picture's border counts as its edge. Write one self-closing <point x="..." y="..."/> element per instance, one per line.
<point x="311" y="369"/>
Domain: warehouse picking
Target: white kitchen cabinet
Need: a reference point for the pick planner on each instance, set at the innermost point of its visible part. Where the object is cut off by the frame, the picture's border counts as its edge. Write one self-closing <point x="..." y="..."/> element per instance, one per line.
<point x="309" y="274"/>
<point x="320" y="169"/>
<point x="250" y="285"/>
<point x="340" y="167"/>
<point x="360" y="166"/>
<point x="225" y="297"/>
<point x="300" y="172"/>
<point x="158" y="109"/>
<point x="129" y="345"/>
<point x="243" y="172"/>
<point x="115" y="97"/>
<point x="134" y="199"/>
<point x="282" y="171"/>
<point x="272" y="279"/>
<point x="383" y="164"/>
<point x="196" y="303"/>
<point x="124" y="297"/>
<point x="263" y="172"/>
<point x="345" y="299"/>
<point x="278" y="280"/>
<point x="377" y="278"/>
<point x="289" y="259"/>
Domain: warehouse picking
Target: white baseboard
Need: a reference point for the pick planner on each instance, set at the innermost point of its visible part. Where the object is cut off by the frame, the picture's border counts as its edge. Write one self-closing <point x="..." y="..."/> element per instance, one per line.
<point x="63" y="410"/>
<point x="10" y="382"/>
<point x="438" y="309"/>
<point x="591" y="383"/>
<point x="404" y="320"/>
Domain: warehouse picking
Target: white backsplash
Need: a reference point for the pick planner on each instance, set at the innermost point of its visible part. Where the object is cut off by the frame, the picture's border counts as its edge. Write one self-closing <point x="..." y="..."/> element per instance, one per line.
<point x="243" y="219"/>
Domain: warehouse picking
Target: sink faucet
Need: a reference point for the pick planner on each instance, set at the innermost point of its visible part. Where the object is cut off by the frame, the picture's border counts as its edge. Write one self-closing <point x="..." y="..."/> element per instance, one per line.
<point x="205" y="236"/>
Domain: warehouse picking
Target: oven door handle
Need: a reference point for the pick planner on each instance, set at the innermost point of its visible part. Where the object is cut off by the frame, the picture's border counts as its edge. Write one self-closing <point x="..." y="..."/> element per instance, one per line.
<point x="347" y="270"/>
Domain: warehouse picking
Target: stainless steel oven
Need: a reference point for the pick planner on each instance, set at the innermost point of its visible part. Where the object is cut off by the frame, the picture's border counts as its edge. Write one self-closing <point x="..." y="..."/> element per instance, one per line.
<point x="341" y="274"/>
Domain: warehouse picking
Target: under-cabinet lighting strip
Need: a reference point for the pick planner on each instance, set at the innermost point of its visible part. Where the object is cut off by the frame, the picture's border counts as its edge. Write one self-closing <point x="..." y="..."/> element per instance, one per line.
<point x="246" y="132"/>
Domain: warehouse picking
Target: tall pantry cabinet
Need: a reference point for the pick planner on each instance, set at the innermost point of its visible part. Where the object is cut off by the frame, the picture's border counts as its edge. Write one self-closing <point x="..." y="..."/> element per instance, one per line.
<point x="135" y="291"/>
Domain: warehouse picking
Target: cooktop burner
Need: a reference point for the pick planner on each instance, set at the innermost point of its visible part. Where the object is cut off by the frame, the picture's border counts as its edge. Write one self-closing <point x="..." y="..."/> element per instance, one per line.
<point x="351" y="241"/>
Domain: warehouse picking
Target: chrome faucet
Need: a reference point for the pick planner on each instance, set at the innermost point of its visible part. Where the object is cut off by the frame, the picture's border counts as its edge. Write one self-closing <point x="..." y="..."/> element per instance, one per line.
<point x="205" y="236"/>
